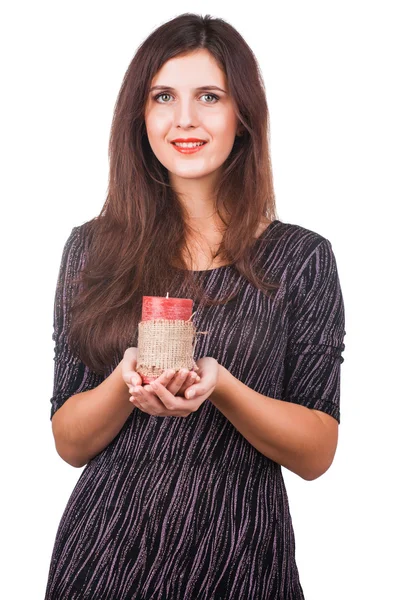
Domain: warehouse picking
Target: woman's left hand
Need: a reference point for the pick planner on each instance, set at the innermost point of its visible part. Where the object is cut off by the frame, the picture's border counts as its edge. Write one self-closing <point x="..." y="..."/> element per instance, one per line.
<point x="155" y="399"/>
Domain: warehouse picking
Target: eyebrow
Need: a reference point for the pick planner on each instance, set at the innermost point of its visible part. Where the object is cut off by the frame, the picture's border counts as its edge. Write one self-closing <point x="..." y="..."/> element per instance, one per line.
<point x="203" y="88"/>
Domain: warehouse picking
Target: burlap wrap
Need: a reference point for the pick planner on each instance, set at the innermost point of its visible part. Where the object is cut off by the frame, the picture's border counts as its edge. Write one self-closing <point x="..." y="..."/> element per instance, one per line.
<point x="165" y="344"/>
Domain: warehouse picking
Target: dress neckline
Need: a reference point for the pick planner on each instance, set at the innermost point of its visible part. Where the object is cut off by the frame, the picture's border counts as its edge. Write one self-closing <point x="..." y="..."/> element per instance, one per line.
<point x="263" y="235"/>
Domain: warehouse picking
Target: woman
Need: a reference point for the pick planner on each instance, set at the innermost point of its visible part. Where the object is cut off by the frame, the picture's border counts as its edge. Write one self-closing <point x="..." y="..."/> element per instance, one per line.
<point x="182" y="496"/>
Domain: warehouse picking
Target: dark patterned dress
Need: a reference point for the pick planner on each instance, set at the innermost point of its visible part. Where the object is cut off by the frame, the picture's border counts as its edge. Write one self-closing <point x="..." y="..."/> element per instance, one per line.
<point x="186" y="508"/>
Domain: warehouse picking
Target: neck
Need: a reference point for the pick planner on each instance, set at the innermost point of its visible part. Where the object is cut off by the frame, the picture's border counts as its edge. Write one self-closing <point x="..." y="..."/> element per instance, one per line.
<point x="197" y="196"/>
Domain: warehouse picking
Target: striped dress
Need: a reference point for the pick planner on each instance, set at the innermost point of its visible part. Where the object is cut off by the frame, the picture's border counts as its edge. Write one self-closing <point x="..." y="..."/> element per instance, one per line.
<point x="186" y="508"/>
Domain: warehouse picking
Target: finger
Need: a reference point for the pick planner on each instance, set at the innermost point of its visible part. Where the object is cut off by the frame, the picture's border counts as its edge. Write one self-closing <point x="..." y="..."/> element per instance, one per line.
<point x="136" y="379"/>
<point x="163" y="394"/>
<point x="132" y="378"/>
<point x="194" y="391"/>
<point x="131" y="354"/>
<point x="134" y="389"/>
<point x="155" y="401"/>
<point x="146" y="399"/>
<point x="165" y="377"/>
<point x="190" y="380"/>
<point x="176" y="382"/>
<point x="127" y="376"/>
<point x="135" y="401"/>
<point x="135" y="396"/>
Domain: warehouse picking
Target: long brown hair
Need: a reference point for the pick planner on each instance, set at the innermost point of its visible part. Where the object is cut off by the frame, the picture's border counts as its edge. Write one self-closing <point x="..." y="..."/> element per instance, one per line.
<point x="137" y="242"/>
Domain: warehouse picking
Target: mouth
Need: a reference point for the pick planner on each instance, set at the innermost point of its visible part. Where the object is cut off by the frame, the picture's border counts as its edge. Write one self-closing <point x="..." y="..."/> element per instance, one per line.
<point x="188" y="147"/>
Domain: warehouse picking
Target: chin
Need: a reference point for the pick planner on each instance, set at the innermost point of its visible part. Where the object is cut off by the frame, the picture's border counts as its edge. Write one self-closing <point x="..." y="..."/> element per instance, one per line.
<point x="190" y="172"/>
<point x="191" y="175"/>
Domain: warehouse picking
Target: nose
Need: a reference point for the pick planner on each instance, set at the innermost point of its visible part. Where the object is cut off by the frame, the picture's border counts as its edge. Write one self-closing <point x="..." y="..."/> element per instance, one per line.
<point x="185" y="114"/>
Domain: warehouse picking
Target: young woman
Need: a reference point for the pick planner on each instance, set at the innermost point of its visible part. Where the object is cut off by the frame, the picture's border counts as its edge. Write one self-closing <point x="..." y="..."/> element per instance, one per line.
<point x="182" y="496"/>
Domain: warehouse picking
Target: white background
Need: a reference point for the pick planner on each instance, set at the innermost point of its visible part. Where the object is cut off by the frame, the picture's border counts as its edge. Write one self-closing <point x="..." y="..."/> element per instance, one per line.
<point x="331" y="76"/>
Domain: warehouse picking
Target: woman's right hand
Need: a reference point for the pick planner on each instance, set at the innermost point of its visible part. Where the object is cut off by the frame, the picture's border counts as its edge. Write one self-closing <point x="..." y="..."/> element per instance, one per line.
<point x="176" y="384"/>
<point x="129" y="364"/>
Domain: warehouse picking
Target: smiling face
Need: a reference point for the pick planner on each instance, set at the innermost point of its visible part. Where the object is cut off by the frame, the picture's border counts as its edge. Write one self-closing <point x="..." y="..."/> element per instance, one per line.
<point x="179" y="109"/>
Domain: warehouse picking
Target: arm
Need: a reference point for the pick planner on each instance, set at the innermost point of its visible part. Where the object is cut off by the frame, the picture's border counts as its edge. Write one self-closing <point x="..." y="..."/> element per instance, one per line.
<point x="88" y="421"/>
<point x="88" y="410"/>
<point x="301" y="439"/>
<point x="299" y="431"/>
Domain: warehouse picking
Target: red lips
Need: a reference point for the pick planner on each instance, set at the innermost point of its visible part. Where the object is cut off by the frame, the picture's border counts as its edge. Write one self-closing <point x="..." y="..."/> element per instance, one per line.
<point x="189" y="150"/>
<point x="187" y="140"/>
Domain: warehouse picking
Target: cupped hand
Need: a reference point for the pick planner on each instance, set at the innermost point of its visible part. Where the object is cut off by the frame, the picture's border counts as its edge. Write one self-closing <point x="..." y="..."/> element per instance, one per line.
<point x="174" y="382"/>
<point x="157" y="399"/>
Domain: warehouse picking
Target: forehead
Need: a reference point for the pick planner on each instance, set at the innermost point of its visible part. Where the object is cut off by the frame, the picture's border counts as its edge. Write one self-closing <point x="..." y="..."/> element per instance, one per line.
<point x="190" y="71"/>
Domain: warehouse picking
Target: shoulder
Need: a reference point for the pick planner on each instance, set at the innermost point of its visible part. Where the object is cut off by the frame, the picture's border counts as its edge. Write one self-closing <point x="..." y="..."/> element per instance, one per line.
<point x="80" y="236"/>
<point x="298" y="252"/>
<point x="297" y="242"/>
<point x="75" y="247"/>
<point x="84" y="231"/>
<point x="312" y="267"/>
<point x="299" y="245"/>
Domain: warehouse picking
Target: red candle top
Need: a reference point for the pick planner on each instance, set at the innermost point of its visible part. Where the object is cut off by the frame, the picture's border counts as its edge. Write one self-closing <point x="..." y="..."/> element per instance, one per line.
<point x="158" y="307"/>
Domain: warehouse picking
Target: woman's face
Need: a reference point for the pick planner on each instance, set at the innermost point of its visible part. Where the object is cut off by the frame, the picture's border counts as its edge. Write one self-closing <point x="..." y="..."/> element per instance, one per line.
<point x="179" y="109"/>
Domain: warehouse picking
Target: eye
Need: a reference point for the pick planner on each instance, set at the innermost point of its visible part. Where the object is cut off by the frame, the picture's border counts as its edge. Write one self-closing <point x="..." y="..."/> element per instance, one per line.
<point x="163" y="94"/>
<point x="160" y="95"/>
<point x="211" y="96"/>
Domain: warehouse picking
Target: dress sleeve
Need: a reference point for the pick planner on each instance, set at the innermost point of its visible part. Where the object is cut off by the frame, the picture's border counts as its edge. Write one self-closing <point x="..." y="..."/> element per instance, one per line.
<point x="316" y="334"/>
<point x="71" y="375"/>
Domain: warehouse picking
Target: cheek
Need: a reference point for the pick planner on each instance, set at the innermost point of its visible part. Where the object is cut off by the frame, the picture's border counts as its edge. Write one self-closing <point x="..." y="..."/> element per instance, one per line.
<point x="220" y="153"/>
<point x="223" y="123"/>
<point x="223" y="131"/>
<point x="157" y="127"/>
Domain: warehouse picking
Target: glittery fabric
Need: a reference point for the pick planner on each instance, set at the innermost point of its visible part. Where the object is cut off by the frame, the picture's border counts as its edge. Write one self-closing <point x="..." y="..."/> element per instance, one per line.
<point x="186" y="508"/>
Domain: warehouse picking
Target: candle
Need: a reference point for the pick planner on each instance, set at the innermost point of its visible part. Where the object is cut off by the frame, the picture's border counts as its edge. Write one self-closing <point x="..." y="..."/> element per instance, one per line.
<point x="164" y="341"/>
<point x="155" y="307"/>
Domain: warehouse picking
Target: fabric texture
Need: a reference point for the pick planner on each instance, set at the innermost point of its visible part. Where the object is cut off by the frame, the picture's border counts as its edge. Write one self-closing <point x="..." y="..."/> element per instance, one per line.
<point x="186" y="508"/>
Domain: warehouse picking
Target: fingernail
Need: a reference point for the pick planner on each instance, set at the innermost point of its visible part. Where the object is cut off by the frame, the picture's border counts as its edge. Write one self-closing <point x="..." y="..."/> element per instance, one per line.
<point x="190" y="393"/>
